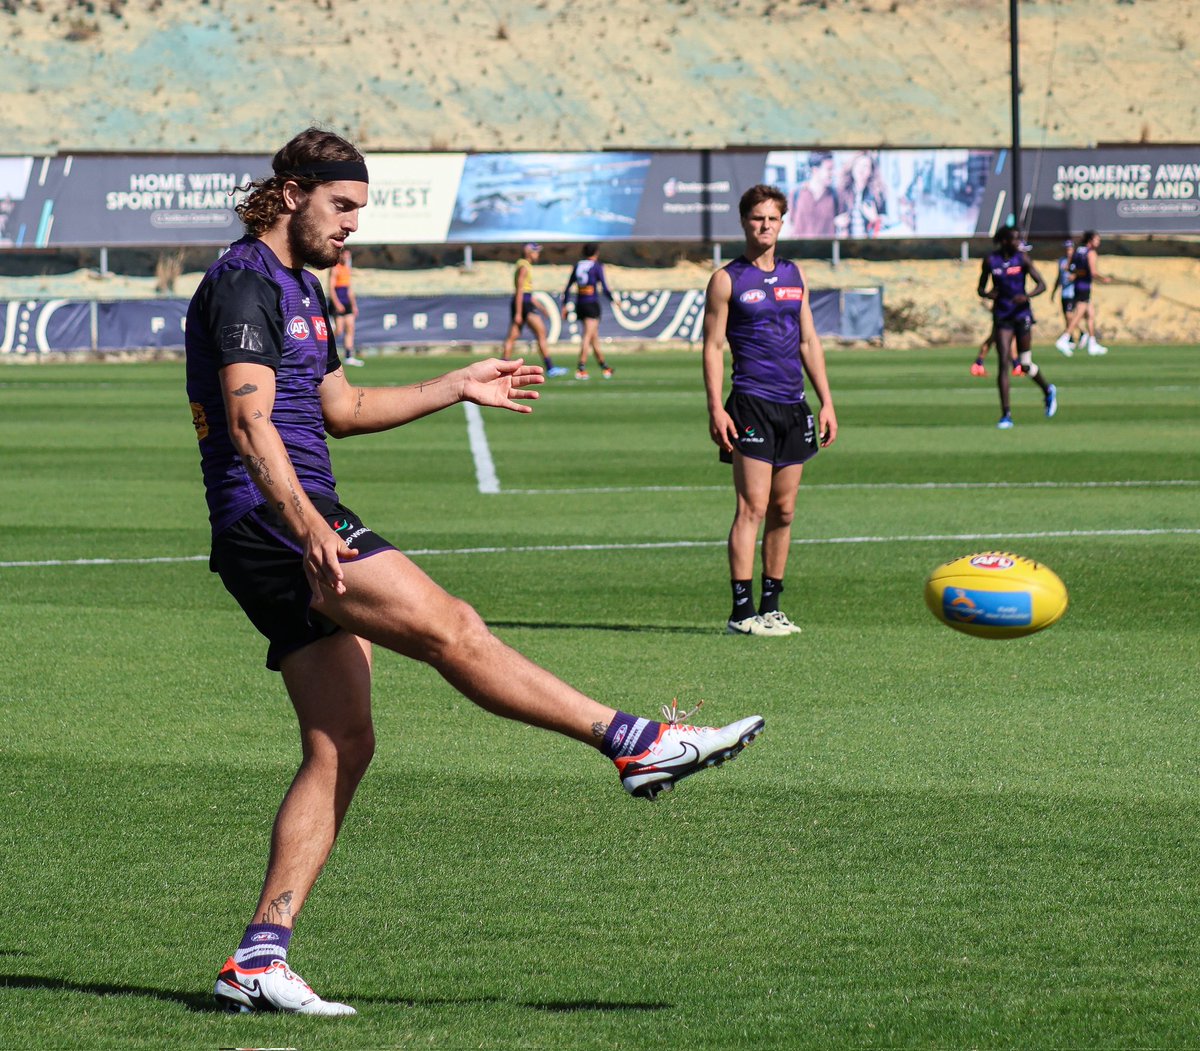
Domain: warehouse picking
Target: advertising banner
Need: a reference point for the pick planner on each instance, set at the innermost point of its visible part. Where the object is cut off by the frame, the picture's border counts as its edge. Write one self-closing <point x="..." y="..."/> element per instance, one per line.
<point x="866" y="194"/>
<point x="510" y="198"/>
<point x="42" y="327"/>
<point x="411" y="198"/>
<point x="514" y="197"/>
<point x="182" y="199"/>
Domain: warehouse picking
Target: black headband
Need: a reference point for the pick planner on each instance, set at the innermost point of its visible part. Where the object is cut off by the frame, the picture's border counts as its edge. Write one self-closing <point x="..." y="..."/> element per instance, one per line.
<point x="332" y="171"/>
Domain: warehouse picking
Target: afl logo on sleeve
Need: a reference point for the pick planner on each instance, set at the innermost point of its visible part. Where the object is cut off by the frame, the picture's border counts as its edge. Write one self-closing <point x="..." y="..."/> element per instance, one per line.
<point x="298" y="328"/>
<point x="752" y="295"/>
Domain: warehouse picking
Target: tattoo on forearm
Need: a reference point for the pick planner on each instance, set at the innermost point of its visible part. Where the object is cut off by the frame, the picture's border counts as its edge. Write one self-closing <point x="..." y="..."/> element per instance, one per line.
<point x="358" y="404"/>
<point x="244" y="389"/>
<point x="256" y="414"/>
<point x="599" y="729"/>
<point x="279" y="909"/>
<point x="257" y="466"/>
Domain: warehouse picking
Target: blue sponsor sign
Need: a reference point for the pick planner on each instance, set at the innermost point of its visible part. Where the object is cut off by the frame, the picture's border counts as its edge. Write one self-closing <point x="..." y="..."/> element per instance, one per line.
<point x="998" y="609"/>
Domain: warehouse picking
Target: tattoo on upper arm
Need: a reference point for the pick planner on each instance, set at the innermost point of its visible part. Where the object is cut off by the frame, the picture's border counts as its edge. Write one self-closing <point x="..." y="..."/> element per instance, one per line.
<point x="278" y="909"/>
<point x="599" y="729"/>
<point x="244" y="389"/>
<point x="256" y="415"/>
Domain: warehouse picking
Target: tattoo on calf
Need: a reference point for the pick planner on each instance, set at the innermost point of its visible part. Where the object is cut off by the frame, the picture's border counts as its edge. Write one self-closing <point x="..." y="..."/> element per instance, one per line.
<point x="599" y="729"/>
<point x="279" y="909"/>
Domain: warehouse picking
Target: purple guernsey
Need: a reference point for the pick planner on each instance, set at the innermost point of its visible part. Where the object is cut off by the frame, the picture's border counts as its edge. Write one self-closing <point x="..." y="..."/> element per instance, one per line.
<point x="1008" y="279"/>
<point x="251" y="308"/>
<point x="763" y="330"/>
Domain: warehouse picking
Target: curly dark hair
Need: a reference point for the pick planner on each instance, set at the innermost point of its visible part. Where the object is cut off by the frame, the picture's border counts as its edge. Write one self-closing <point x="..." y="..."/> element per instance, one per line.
<point x="261" y="207"/>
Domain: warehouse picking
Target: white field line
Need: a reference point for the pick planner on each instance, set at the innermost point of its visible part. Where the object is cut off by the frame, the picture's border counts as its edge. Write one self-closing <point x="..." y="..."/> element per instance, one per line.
<point x="805" y="488"/>
<point x="663" y="545"/>
<point x="485" y="468"/>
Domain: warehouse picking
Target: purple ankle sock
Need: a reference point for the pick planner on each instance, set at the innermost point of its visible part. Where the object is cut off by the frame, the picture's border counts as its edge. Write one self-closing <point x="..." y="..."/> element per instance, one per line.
<point x="262" y="943"/>
<point x="629" y="735"/>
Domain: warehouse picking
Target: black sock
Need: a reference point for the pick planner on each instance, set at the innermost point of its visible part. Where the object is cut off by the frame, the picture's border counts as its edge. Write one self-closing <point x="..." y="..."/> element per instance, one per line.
<point x="743" y="600"/>
<point x="770" y="594"/>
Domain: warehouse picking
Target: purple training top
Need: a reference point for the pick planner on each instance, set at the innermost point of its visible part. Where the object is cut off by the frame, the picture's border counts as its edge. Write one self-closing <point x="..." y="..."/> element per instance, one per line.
<point x="1008" y="279"/>
<point x="251" y="308"/>
<point x="763" y="330"/>
<point x="588" y="275"/>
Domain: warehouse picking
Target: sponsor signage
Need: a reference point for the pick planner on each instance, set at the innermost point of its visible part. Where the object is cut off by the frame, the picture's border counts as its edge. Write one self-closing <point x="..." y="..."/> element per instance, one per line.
<point x="509" y="198"/>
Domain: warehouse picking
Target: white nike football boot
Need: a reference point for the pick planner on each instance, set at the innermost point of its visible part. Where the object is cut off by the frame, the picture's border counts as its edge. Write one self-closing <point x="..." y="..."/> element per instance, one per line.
<point x="681" y="751"/>
<point x="755" y="625"/>
<point x="780" y="620"/>
<point x="275" y="987"/>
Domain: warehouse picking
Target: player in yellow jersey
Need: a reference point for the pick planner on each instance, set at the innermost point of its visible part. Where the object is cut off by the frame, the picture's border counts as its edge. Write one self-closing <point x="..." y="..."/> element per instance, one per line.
<point x="524" y="310"/>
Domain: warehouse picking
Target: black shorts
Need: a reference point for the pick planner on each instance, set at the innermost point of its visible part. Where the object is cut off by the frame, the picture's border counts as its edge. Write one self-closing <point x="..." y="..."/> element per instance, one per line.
<point x="1021" y="324"/>
<point x="585" y="309"/>
<point x="1067" y="306"/>
<point x="528" y="307"/>
<point x="778" y="433"/>
<point x="1083" y="295"/>
<point x="261" y="566"/>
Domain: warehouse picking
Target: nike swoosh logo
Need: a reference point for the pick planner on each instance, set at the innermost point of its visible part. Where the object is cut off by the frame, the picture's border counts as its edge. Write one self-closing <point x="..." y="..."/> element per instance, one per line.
<point x="687" y="751"/>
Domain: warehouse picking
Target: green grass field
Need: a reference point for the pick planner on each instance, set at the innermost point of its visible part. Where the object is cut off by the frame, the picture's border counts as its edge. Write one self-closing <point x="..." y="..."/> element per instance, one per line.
<point x="939" y="841"/>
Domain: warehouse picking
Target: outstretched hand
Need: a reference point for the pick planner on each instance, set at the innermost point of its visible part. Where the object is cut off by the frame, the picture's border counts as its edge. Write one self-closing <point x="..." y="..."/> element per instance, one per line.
<point x="502" y="384"/>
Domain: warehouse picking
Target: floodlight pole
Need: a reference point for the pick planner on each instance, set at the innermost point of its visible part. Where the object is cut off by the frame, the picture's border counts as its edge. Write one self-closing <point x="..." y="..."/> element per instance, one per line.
<point x="1015" y="91"/>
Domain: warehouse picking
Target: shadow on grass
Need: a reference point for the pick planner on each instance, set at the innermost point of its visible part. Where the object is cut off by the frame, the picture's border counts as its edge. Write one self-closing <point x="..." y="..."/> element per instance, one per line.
<point x="665" y="629"/>
<point x="203" y="1002"/>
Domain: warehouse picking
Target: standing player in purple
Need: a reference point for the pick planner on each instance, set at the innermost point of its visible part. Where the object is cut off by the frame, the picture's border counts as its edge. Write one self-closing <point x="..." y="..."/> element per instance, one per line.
<point x="765" y="428"/>
<point x="588" y="278"/>
<point x="266" y="385"/>
<point x="1006" y="270"/>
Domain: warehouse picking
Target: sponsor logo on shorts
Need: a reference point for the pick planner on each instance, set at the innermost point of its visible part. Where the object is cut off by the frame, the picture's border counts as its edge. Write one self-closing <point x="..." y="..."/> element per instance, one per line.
<point x="298" y="328"/>
<point x="363" y="531"/>
<point x="992" y="562"/>
<point x="788" y="292"/>
<point x="752" y="437"/>
<point x="341" y="525"/>
<point x="321" y="329"/>
<point x="754" y="295"/>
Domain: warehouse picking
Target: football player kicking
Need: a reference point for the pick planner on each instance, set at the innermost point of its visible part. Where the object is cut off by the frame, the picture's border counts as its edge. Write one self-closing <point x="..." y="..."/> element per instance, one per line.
<point x="266" y="384"/>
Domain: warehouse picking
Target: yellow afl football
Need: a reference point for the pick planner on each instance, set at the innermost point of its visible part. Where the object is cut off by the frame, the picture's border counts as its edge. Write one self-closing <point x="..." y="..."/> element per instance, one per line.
<point x="996" y="595"/>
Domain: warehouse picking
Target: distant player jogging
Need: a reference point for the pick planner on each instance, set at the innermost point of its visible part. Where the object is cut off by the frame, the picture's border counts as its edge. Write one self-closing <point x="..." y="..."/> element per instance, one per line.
<point x="1064" y="284"/>
<point x="765" y="429"/>
<point x="587" y="278"/>
<point x="266" y="385"/>
<point x="1003" y="280"/>
<point x="345" y="305"/>
<point x="525" y="310"/>
<point x="1085" y="271"/>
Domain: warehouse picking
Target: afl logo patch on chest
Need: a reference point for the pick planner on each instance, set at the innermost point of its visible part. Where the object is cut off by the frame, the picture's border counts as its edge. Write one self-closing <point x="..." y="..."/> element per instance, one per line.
<point x="298" y="328"/>
<point x="753" y="295"/>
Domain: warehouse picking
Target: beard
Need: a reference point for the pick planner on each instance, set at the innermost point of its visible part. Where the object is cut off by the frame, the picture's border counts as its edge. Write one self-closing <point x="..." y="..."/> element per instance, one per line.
<point x="307" y="243"/>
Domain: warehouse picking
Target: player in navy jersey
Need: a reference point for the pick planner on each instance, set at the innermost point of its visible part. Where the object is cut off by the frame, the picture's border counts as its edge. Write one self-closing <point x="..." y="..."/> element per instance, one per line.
<point x="1085" y="271"/>
<point x="265" y="385"/>
<point x="765" y="428"/>
<point x="1003" y="280"/>
<point x="587" y="278"/>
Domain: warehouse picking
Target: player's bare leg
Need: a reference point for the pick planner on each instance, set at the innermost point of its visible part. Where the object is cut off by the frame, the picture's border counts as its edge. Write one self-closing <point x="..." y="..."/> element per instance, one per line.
<point x="329" y="683"/>
<point x="392" y="602"/>
<point x="777" y="542"/>
<point x="752" y="487"/>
